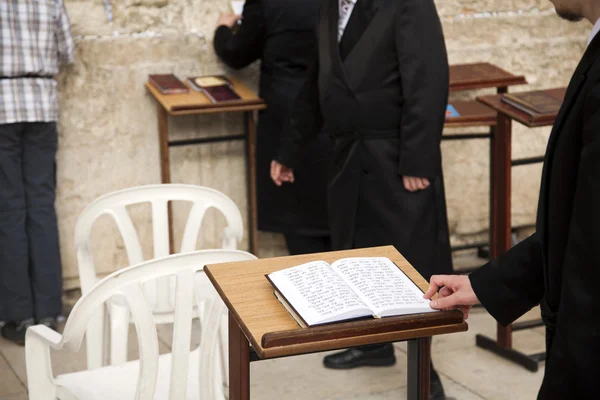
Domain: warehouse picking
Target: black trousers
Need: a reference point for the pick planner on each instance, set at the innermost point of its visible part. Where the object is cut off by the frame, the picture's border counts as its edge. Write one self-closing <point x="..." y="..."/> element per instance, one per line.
<point x="303" y="244"/>
<point x="30" y="265"/>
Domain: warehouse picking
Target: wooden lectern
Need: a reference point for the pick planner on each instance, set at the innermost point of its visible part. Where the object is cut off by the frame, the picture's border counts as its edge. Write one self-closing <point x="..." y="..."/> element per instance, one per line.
<point x="258" y="319"/>
<point x="500" y="223"/>
<point x="195" y="103"/>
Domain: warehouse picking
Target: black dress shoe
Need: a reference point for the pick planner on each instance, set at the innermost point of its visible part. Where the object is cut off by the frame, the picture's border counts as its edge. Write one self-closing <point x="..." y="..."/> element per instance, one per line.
<point x="436" y="389"/>
<point x="15" y="330"/>
<point x="379" y="357"/>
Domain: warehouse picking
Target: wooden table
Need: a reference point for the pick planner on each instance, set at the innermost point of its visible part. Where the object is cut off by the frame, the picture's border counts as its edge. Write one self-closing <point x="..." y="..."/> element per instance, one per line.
<point x="481" y="76"/>
<point x="255" y="315"/>
<point x="474" y="114"/>
<point x="500" y="225"/>
<point x="195" y="103"/>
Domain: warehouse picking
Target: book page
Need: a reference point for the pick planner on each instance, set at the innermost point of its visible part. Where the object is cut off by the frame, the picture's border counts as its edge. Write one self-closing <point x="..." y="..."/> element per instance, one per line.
<point x="318" y="294"/>
<point x="237" y="6"/>
<point x="382" y="285"/>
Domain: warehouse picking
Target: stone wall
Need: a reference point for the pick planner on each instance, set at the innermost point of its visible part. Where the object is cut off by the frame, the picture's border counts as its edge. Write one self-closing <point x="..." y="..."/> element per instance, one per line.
<point x="108" y="132"/>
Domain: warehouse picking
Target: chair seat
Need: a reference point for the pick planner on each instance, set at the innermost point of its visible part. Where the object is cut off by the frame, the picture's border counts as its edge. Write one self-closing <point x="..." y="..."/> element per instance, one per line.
<point x="119" y="381"/>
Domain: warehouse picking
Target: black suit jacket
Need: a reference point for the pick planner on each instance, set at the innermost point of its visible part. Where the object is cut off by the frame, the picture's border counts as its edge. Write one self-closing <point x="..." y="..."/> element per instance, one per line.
<point x="381" y="93"/>
<point x="559" y="266"/>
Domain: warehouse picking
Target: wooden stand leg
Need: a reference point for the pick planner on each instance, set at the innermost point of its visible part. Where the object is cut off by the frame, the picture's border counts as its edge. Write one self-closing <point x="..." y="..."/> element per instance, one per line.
<point x="500" y="231"/>
<point x="501" y="192"/>
<point x="239" y="362"/>
<point x="251" y="182"/>
<point x="165" y="166"/>
<point x="419" y="361"/>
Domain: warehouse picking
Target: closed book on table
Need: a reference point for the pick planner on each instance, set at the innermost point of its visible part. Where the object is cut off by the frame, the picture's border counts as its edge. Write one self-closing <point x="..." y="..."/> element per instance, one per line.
<point x="533" y="103"/>
<point x="318" y="293"/>
<point x="167" y="83"/>
<point x="217" y="88"/>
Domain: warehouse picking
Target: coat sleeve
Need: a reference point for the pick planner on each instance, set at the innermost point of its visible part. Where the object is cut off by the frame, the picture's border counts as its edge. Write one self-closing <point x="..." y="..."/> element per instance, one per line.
<point x="513" y="283"/>
<point x="245" y="46"/>
<point x="305" y="121"/>
<point x="424" y="77"/>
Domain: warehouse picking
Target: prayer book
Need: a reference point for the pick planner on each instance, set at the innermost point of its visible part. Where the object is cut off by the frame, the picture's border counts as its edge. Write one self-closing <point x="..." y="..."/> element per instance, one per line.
<point x="318" y="293"/>
<point x="167" y="83"/>
<point x="218" y="89"/>
<point x="531" y="103"/>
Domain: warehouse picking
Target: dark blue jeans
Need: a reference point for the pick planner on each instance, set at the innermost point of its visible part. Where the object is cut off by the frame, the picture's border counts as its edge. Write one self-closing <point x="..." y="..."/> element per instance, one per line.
<point x="30" y="266"/>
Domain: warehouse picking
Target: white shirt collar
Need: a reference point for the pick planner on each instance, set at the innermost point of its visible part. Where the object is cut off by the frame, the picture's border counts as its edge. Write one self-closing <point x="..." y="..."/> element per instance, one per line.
<point x="595" y="31"/>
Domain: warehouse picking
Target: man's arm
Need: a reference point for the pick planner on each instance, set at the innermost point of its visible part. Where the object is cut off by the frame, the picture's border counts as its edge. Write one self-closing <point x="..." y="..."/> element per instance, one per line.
<point x="425" y="80"/>
<point x="507" y="286"/>
<point x="64" y="39"/>
<point x="513" y="283"/>
<point x="246" y="45"/>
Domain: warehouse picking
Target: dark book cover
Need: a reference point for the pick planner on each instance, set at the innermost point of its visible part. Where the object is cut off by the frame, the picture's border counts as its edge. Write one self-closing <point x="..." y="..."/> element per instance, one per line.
<point x="533" y="103"/>
<point x="167" y="83"/>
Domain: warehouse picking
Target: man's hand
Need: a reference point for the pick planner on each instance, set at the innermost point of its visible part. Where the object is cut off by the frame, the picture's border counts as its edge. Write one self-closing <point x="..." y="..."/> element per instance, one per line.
<point x="455" y="292"/>
<point x="228" y="19"/>
<point x="413" y="183"/>
<point x="280" y="173"/>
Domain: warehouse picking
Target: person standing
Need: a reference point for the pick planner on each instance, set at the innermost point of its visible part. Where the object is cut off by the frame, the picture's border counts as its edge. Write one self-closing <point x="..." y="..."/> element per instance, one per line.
<point x="35" y="39"/>
<point x="558" y="267"/>
<point x="379" y="83"/>
<point x="281" y="34"/>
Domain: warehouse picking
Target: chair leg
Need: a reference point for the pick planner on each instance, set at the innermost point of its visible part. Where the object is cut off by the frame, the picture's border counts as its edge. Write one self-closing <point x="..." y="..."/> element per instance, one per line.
<point x="119" y="334"/>
<point x="224" y="353"/>
<point x="96" y="340"/>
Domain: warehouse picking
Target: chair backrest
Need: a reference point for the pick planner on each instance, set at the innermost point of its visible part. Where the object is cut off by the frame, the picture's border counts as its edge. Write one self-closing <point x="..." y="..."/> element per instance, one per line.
<point x="115" y="204"/>
<point x="128" y="283"/>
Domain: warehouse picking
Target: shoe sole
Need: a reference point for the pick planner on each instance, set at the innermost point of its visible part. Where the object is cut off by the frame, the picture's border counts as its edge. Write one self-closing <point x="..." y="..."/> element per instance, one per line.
<point x="375" y="362"/>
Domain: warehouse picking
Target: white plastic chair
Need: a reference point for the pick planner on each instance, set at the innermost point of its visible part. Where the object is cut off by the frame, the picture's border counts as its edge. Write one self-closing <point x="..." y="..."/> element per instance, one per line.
<point x="180" y="375"/>
<point x="159" y="291"/>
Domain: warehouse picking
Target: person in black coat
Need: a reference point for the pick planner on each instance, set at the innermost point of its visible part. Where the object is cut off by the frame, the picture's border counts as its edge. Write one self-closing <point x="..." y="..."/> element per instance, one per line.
<point x="379" y="84"/>
<point x="281" y="34"/>
<point x="558" y="267"/>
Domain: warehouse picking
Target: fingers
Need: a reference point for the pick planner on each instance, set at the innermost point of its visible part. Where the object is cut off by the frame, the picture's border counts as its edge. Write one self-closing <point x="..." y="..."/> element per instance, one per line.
<point x="445" y="291"/>
<point x="442" y="303"/>
<point x="433" y="288"/>
<point x="281" y="173"/>
<point x="408" y="183"/>
<point x="276" y="173"/>
<point x="435" y="283"/>
<point x="412" y="184"/>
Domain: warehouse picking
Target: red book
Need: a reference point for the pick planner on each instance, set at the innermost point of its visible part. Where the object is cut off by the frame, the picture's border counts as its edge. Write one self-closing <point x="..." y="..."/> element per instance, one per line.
<point x="167" y="84"/>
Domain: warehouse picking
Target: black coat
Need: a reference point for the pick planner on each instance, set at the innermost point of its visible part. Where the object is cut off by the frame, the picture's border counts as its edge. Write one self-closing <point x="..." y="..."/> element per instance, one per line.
<point x="281" y="34"/>
<point x="559" y="266"/>
<point x="381" y="93"/>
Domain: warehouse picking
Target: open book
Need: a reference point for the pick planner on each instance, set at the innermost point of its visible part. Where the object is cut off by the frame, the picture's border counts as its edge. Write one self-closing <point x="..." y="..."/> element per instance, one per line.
<point x="317" y="293"/>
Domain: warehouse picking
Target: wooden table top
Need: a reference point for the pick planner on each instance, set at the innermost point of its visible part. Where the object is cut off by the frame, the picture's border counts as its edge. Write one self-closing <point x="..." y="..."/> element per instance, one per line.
<point x="274" y="333"/>
<point x="195" y="102"/>
<point x="471" y="113"/>
<point x="480" y="76"/>
<point x="530" y="121"/>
